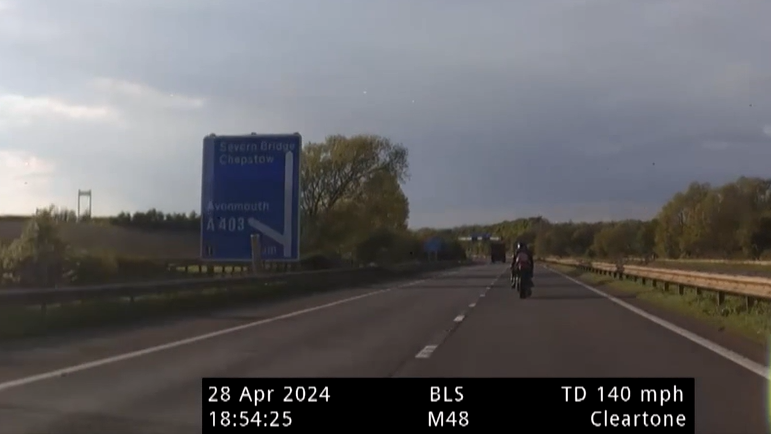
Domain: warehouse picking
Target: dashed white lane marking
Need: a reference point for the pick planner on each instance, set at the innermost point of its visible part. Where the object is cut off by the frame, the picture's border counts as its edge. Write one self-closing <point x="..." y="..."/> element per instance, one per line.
<point x="158" y="348"/>
<point x="426" y="352"/>
<point x="754" y="367"/>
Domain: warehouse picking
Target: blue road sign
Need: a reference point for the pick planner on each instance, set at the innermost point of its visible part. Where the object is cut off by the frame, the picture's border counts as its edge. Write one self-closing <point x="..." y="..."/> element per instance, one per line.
<point x="251" y="184"/>
<point x="433" y="245"/>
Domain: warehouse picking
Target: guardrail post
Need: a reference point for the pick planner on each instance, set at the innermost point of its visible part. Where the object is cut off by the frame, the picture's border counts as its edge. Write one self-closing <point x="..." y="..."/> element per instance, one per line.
<point x="749" y="302"/>
<point x="698" y="291"/>
<point x="720" y="298"/>
<point x="257" y="265"/>
<point x="619" y="269"/>
<point x="681" y="289"/>
<point x="666" y="286"/>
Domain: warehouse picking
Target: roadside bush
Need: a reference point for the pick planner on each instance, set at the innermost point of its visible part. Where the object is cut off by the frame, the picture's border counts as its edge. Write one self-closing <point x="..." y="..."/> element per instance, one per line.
<point x="38" y="257"/>
<point x="86" y="268"/>
<point x="452" y="251"/>
<point x="386" y="246"/>
<point x="320" y="261"/>
<point x="140" y="269"/>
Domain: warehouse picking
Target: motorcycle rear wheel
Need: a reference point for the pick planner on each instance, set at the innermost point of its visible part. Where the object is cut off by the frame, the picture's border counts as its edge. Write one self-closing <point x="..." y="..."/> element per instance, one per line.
<point x="525" y="289"/>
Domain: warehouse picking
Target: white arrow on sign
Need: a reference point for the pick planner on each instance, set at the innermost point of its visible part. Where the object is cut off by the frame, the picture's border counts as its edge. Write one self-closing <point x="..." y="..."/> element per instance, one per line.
<point x="285" y="238"/>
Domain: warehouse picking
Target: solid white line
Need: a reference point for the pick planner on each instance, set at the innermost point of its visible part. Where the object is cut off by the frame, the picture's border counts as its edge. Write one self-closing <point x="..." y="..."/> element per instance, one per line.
<point x="426" y="352"/>
<point x="134" y="354"/>
<point x="459" y="318"/>
<point x="744" y="362"/>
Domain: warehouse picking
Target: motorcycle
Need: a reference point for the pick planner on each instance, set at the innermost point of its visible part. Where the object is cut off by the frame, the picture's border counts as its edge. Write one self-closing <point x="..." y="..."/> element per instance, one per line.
<point x="523" y="286"/>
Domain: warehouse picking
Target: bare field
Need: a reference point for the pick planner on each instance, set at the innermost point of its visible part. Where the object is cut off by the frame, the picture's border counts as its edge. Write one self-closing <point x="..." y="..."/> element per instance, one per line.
<point x="117" y="240"/>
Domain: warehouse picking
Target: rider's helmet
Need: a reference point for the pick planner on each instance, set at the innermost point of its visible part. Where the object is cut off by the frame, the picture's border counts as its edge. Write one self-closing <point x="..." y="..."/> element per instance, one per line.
<point x="521" y="246"/>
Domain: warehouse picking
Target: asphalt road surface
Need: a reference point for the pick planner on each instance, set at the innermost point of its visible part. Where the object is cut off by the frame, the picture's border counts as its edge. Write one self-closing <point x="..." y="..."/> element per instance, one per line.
<point x="457" y="323"/>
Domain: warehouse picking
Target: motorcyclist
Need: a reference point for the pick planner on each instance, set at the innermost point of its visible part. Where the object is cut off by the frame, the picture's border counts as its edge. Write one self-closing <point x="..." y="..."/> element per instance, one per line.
<point x="523" y="256"/>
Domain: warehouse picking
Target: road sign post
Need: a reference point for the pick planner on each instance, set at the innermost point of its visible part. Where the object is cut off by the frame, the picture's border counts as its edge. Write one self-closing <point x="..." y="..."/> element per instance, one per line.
<point x="432" y="246"/>
<point x="256" y="254"/>
<point x="251" y="185"/>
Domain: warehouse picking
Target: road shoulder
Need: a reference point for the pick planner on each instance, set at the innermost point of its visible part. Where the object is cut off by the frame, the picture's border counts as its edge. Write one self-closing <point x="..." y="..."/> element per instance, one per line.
<point x="756" y="350"/>
<point x="31" y="356"/>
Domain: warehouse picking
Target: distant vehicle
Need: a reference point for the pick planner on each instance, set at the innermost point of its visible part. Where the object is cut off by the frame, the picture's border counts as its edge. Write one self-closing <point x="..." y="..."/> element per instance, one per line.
<point x="497" y="252"/>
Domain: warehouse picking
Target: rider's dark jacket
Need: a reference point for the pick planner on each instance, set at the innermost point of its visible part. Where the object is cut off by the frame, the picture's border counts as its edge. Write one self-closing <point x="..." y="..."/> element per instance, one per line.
<point x="529" y="256"/>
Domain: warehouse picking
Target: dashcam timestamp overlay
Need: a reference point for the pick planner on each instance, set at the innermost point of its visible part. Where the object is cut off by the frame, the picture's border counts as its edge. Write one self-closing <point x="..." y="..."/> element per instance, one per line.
<point x="269" y="397"/>
<point x="303" y="404"/>
<point x="647" y="407"/>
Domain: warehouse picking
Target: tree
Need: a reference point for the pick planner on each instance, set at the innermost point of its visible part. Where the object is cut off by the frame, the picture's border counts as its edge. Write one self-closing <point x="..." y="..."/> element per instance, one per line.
<point x="339" y="168"/>
<point x="553" y="239"/>
<point x="645" y="240"/>
<point x="732" y="220"/>
<point x="351" y="187"/>
<point x="353" y="206"/>
<point x="582" y="239"/>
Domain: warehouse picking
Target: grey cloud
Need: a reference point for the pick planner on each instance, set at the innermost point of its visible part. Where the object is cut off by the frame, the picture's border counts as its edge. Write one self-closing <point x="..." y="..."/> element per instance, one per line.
<point x="571" y="109"/>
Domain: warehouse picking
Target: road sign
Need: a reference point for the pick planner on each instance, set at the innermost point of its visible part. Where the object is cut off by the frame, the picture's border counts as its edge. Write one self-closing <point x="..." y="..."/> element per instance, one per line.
<point x="432" y="245"/>
<point x="251" y="184"/>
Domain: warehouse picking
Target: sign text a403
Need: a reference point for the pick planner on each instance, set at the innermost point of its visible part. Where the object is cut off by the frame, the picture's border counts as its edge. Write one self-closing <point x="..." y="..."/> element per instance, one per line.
<point x="226" y="224"/>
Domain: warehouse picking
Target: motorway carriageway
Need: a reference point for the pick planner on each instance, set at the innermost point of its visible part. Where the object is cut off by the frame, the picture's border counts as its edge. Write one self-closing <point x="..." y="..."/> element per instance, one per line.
<point x="465" y="322"/>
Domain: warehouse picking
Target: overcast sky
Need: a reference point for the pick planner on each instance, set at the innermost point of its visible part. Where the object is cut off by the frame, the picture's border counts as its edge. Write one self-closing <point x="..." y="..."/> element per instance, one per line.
<point x="573" y="109"/>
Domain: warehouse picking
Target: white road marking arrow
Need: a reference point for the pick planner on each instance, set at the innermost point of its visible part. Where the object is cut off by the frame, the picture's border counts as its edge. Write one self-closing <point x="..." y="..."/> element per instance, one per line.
<point x="285" y="238"/>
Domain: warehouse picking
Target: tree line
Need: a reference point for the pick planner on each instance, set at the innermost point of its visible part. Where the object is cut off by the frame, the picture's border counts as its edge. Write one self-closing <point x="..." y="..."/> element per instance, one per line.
<point x="352" y="204"/>
<point x="354" y="210"/>
<point x="150" y="220"/>
<point x="730" y="221"/>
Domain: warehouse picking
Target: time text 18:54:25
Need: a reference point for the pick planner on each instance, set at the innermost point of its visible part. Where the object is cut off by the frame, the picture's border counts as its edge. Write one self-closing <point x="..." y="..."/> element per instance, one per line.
<point x="256" y="419"/>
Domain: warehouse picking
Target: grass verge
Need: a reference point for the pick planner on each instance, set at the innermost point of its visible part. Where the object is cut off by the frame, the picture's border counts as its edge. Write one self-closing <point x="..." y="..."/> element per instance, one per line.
<point x="19" y="322"/>
<point x="732" y="315"/>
